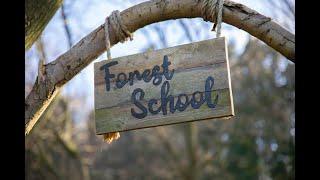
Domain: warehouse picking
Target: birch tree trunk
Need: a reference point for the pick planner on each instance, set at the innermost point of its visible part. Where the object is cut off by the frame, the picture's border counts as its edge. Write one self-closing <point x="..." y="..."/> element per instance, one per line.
<point x="37" y="15"/>
<point x="65" y="67"/>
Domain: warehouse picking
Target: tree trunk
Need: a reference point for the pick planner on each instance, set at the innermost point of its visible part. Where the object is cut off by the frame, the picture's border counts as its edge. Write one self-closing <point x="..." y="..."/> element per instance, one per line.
<point x="65" y="67"/>
<point x="191" y="136"/>
<point x="37" y="15"/>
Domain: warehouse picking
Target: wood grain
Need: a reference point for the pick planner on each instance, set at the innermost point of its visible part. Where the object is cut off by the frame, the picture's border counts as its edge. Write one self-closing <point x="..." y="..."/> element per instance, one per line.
<point x="61" y="70"/>
<point x="192" y="64"/>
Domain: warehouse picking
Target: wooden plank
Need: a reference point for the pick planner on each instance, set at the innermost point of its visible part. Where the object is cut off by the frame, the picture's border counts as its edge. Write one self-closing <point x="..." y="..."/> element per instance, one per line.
<point x="198" y="71"/>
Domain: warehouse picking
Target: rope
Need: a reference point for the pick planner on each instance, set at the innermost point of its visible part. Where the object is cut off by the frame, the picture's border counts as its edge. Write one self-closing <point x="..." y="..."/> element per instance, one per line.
<point x="120" y="30"/>
<point x="210" y="9"/>
<point x="122" y="34"/>
<point x="106" y="35"/>
<point x="109" y="137"/>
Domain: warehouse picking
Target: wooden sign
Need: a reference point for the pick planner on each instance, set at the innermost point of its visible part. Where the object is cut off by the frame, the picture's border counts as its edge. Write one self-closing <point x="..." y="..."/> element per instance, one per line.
<point x="168" y="86"/>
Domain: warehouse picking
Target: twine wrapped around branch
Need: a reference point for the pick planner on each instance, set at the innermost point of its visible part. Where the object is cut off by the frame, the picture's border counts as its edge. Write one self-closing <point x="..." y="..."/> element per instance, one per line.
<point x="209" y="9"/>
<point x="123" y="34"/>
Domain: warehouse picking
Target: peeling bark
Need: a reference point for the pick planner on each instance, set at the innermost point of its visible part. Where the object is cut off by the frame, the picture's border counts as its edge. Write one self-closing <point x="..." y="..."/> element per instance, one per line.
<point x="66" y="66"/>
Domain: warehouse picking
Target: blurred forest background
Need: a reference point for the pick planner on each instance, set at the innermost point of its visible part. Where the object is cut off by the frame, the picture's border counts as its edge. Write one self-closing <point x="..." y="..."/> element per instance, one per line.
<point x="259" y="143"/>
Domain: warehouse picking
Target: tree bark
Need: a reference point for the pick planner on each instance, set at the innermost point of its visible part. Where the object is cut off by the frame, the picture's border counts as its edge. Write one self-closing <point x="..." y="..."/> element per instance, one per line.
<point x="37" y="15"/>
<point x="191" y="136"/>
<point x="66" y="66"/>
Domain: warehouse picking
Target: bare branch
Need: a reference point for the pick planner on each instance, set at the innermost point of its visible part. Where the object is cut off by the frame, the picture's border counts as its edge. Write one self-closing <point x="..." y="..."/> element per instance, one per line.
<point x="290" y="7"/>
<point x="65" y="25"/>
<point x="65" y="67"/>
<point x="40" y="49"/>
<point x="161" y="34"/>
<point x="186" y="29"/>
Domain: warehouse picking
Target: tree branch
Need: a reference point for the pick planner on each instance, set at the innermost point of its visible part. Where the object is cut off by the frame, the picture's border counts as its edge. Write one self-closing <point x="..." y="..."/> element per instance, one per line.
<point x="37" y="15"/>
<point x="65" y="25"/>
<point x="66" y="66"/>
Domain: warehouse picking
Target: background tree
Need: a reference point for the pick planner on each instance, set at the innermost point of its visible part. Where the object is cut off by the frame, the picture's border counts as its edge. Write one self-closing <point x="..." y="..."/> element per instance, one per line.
<point x="50" y="151"/>
<point x="37" y="15"/>
<point x="66" y="66"/>
<point x="257" y="144"/>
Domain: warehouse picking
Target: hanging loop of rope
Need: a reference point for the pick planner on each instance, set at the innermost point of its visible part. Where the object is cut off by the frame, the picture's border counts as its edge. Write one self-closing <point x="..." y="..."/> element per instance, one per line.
<point x="122" y="34"/>
<point x="120" y="30"/>
<point x="210" y="9"/>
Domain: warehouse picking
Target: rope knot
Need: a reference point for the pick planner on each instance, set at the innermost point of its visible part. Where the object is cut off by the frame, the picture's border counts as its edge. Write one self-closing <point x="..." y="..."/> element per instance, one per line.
<point x="120" y="30"/>
<point x="211" y="10"/>
<point x="122" y="34"/>
<point x="208" y="9"/>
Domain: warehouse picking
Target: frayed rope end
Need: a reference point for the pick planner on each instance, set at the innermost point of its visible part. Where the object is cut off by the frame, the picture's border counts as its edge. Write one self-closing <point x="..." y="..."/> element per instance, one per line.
<point x="109" y="137"/>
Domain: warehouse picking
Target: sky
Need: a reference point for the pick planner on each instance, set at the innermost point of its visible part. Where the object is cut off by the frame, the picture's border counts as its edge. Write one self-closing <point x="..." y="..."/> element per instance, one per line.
<point x="86" y="15"/>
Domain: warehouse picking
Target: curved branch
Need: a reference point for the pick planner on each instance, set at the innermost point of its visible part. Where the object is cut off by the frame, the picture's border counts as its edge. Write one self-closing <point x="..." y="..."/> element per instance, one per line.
<point x="65" y="67"/>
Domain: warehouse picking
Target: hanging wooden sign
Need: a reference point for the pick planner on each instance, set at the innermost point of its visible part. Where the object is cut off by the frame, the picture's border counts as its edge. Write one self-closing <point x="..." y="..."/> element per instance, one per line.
<point x="180" y="84"/>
